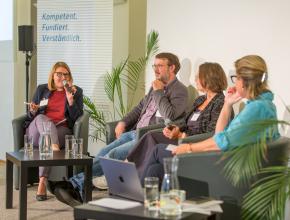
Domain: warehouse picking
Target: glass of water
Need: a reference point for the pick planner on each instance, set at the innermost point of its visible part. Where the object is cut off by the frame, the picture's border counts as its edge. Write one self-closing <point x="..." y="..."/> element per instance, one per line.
<point x="77" y="148"/>
<point x="28" y="144"/>
<point x="151" y="193"/>
<point x="170" y="203"/>
<point x="69" y="144"/>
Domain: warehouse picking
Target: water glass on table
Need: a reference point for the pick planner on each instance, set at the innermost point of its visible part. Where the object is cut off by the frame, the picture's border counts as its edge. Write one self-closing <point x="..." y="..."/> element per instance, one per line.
<point x="181" y="194"/>
<point x="151" y="193"/>
<point x="77" y="148"/>
<point x="69" y="145"/>
<point x="171" y="202"/>
<point x="28" y="144"/>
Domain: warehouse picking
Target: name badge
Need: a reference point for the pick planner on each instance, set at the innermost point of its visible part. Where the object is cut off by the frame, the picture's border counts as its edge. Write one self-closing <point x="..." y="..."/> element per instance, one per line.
<point x="43" y="102"/>
<point x="195" y="116"/>
<point x="158" y="114"/>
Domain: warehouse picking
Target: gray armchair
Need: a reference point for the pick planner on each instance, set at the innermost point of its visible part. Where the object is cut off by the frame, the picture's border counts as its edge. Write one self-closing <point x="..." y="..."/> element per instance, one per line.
<point x="196" y="138"/>
<point x="207" y="179"/>
<point x="80" y="130"/>
<point x="111" y="136"/>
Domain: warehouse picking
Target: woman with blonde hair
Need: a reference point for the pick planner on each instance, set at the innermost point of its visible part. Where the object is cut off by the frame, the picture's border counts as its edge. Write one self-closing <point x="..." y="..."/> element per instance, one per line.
<point x="251" y="83"/>
<point x="59" y="103"/>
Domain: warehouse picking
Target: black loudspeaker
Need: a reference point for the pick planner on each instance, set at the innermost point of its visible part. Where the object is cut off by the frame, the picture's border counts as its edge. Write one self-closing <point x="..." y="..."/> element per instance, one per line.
<point x="25" y="38"/>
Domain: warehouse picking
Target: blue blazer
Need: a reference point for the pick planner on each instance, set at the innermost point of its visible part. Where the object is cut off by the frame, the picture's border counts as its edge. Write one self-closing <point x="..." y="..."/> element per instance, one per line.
<point x="71" y="112"/>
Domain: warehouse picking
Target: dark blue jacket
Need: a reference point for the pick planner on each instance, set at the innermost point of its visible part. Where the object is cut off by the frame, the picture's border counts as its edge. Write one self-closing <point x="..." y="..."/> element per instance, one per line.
<point x="71" y="112"/>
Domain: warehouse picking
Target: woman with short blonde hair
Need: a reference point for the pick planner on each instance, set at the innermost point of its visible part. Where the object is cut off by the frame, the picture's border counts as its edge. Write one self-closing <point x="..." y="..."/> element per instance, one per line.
<point x="60" y="64"/>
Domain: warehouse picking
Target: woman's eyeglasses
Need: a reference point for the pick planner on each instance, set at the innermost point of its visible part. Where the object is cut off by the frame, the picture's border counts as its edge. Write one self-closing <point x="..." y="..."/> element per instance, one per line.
<point x="60" y="74"/>
<point x="234" y="78"/>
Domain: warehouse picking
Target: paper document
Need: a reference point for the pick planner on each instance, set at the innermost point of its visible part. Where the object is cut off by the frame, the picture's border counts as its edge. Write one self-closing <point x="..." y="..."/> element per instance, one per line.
<point x="115" y="203"/>
<point x="203" y="208"/>
<point x="170" y="147"/>
<point x="194" y="208"/>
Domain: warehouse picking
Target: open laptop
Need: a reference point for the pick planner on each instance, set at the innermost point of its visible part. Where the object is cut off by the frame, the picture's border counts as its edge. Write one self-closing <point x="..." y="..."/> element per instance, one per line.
<point x="122" y="179"/>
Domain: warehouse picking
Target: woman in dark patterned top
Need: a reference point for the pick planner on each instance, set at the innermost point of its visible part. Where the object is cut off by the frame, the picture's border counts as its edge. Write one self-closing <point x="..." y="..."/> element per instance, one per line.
<point x="210" y="80"/>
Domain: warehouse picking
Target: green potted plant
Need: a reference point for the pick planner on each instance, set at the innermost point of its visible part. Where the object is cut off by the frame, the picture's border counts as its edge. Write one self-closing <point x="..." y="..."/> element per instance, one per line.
<point x="269" y="185"/>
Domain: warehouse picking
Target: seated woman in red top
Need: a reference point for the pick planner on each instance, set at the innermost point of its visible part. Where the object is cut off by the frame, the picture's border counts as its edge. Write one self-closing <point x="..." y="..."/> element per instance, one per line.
<point x="58" y="104"/>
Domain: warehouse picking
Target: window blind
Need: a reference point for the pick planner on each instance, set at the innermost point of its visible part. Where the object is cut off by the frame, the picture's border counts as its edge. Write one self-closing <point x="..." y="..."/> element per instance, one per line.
<point x="78" y="32"/>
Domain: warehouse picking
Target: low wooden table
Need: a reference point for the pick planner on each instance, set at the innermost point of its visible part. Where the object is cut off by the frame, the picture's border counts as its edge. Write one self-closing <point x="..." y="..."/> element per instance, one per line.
<point x="87" y="211"/>
<point x="24" y="162"/>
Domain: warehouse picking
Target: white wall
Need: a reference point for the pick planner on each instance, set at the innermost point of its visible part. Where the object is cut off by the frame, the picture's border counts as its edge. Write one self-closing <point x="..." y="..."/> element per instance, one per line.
<point x="6" y="104"/>
<point x="7" y="78"/>
<point x="12" y="66"/>
<point x="223" y="31"/>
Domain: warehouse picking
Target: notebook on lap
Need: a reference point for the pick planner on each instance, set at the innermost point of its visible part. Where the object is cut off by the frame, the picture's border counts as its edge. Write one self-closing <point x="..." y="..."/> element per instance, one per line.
<point x="122" y="179"/>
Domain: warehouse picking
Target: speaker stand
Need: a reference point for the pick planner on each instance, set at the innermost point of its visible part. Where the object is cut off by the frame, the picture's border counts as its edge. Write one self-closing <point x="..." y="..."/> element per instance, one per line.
<point x="27" y="62"/>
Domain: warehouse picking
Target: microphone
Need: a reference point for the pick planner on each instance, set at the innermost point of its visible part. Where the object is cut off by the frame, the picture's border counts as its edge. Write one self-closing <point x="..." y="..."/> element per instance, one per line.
<point x="66" y="85"/>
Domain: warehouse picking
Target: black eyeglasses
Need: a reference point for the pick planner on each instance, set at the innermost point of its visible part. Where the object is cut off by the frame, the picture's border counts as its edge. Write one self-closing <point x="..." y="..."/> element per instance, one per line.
<point x="60" y="74"/>
<point x="234" y="78"/>
<point x="159" y="66"/>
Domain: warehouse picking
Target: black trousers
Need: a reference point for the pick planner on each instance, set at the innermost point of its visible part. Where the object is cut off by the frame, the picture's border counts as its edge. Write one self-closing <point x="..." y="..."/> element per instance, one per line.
<point x="154" y="166"/>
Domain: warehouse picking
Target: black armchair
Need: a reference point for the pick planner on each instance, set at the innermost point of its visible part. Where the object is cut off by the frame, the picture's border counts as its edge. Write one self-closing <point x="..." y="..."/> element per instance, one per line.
<point x="80" y="130"/>
<point x="207" y="179"/>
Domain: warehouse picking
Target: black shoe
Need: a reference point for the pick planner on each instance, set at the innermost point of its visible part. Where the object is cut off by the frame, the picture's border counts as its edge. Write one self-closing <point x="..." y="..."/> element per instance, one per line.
<point x="67" y="186"/>
<point x="41" y="197"/>
<point x="52" y="185"/>
<point x="66" y="196"/>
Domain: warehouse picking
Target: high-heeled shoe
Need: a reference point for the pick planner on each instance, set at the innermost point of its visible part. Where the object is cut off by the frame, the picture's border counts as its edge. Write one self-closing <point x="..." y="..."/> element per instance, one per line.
<point x="41" y="197"/>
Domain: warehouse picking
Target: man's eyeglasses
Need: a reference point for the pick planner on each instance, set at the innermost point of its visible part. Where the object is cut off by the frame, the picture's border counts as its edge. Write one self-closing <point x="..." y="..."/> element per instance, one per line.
<point x="159" y="66"/>
<point x="60" y="74"/>
<point x="234" y="78"/>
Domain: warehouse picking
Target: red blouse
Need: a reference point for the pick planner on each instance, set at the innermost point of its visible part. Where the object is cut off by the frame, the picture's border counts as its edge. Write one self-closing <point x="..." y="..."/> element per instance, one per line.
<point x="56" y="106"/>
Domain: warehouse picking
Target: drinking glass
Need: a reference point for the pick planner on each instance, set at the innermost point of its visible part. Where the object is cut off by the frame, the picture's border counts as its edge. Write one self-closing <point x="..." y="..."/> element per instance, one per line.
<point x="151" y="193"/>
<point x="69" y="144"/>
<point x="28" y="144"/>
<point x="77" y="148"/>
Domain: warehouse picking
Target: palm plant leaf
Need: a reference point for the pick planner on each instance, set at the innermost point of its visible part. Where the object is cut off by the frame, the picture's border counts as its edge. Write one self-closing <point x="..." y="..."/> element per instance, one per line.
<point x="136" y="68"/>
<point x="112" y="79"/>
<point x="98" y="133"/>
<point x="242" y="157"/>
<point x="133" y="79"/>
<point x="245" y="161"/>
<point x="152" y="44"/>
<point x="109" y="86"/>
<point x="133" y="73"/>
<point x="97" y="119"/>
<point x="112" y="86"/>
<point x="267" y="198"/>
<point x="129" y="74"/>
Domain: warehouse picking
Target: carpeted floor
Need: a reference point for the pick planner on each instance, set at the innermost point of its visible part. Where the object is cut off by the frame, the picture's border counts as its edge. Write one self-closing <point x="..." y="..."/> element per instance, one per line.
<point x="50" y="209"/>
